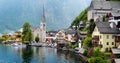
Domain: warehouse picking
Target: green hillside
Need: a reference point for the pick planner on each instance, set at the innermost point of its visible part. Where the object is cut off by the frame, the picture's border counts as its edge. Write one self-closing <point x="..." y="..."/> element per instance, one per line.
<point x="81" y="17"/>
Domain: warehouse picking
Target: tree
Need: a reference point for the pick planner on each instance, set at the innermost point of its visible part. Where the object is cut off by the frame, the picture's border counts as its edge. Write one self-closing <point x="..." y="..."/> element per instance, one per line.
<point x="91" y="26"/>
<point x="37" y="39"/>
<point x="97" y="52"/>
<point x="96" y="60"/>
<point x="87" y="42"/>
<point x="27" y="33"/>
<point x="85" y="52"/>
<point x="97" y="57"/>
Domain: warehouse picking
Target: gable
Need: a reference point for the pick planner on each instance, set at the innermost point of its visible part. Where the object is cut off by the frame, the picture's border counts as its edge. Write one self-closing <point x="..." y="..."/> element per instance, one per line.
<point x="96" y="31"/>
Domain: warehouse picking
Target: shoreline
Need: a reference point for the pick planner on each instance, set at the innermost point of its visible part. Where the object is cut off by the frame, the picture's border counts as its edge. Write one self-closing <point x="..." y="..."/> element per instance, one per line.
<point x="81" y="56"/>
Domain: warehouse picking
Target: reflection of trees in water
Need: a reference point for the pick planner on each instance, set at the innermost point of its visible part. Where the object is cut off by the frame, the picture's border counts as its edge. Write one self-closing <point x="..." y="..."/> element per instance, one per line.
<point x="70" y="56"/>
<point x="27" y="54"/>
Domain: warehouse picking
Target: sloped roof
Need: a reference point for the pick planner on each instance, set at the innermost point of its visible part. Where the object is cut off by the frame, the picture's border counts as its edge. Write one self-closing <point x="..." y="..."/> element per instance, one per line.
<point x="115" y="4"/>
<point x="117" y="60"/>
<point x="70" y="31"/>
<point x="106" y="5"/>
<point x="101" y="5"/>
<point x="104" y="27"/>
<point x="115" y="13"/>
<point x="34" y="28"/>
<point x="52" y="31"/>
<point x="115" y="51"/>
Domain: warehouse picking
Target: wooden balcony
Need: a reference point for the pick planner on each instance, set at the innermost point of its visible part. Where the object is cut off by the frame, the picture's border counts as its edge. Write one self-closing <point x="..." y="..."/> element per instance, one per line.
<point x="96" y="44"/>
<point x="95" y="38"/>
<point x="117" y="39"/>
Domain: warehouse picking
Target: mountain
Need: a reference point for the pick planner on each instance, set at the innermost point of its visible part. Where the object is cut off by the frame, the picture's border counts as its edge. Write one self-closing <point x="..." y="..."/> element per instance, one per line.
<point x="59" y="13"/>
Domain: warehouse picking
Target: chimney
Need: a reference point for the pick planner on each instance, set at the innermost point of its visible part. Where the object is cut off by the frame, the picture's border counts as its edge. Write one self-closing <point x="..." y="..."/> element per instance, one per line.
<point x="111" y="25"/>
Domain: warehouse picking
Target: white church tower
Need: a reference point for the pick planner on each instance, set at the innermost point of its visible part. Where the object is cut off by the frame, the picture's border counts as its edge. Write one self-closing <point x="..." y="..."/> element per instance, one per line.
<point x="43" y="27"/>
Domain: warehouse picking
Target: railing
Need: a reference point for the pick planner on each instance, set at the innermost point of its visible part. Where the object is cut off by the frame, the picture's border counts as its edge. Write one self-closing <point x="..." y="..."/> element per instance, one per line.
<point x="117" y="39"/>
<point x="96" y="38"/>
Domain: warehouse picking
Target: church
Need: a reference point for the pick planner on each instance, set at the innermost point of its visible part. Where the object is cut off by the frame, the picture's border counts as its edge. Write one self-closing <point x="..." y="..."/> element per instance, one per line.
<point x="40" y="31"/>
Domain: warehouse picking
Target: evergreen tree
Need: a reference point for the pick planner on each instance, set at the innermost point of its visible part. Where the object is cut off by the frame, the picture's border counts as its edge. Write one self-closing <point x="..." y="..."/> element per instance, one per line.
<point x="37" y="39"/>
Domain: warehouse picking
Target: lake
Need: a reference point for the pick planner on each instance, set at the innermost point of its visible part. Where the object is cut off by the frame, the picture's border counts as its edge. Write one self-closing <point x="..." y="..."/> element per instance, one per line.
<point x="10" y="54"/>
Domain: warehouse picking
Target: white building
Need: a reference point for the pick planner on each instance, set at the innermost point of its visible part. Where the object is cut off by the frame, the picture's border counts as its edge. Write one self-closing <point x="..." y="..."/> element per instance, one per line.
<point x="99" y="8"/>
<point x="115" y="17"/>
<point x="41" y="30"/>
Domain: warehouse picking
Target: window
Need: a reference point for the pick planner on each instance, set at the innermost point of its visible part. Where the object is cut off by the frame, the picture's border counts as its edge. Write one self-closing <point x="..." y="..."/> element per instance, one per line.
<point x="112" y="36"/>
<point x="112" y="43"/>
<point x="107" y="43"/>
<point x="107" y="37"/>
<point x="100" y="36"/>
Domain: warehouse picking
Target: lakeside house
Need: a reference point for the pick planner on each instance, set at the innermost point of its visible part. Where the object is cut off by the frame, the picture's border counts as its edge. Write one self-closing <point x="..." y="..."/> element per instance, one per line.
<point x="105" y="34"/>
<point x="60" y="38"/>
<point x="70" y="36"/>
<point x="18" y="36"/>
<point x="50" y="36"/>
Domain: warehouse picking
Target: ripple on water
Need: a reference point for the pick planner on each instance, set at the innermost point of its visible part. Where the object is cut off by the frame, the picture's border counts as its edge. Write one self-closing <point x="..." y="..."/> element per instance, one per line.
<point x="10" y="54"/>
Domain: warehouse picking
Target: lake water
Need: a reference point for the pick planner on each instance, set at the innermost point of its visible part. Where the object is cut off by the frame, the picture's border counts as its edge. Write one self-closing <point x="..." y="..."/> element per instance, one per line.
<point x="10" y="54"/>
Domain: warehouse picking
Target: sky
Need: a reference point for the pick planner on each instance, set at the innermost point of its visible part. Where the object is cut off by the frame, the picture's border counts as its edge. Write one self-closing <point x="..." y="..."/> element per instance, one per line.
<point x="59" y="13"/>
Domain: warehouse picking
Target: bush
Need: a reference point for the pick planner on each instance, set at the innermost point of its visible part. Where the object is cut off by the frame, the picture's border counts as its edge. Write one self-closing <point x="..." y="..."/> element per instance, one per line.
<point x="37" y="39"/>
<point x="85" y="53"/>
<point x="96" y="60"/>
<point x="87" y="42"/>
<point x="97" y="52"/>
<point x="74" y="45"/>
<point x="107" y="55"/>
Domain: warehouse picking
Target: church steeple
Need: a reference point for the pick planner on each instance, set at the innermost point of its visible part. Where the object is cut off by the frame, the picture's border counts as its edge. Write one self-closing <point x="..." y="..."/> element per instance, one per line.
<point x="43" y="26"/>
<point x="43" y="16"/>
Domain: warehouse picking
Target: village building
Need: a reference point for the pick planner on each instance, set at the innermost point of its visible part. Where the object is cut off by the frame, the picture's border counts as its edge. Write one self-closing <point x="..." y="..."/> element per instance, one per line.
<point x="106" y="35"/>
<point x="50" y="36"/>
<point x="40" y="31"/>
<point x="18" y="36"/>
<point x="60" y="36"/>
<point x="70" y="36"/>
<point x="115" y="17"/>
<point x="99" y="8"/>
<point x="81" y="25"/>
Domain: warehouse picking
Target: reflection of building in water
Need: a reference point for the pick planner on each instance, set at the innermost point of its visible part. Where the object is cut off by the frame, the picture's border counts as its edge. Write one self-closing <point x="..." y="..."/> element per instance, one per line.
<point x="42" y="54"/>
<point x="39" y="53"/>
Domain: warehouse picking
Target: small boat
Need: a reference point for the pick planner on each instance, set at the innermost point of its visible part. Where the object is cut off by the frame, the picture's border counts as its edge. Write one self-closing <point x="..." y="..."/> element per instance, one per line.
<point x="18" y="45"/>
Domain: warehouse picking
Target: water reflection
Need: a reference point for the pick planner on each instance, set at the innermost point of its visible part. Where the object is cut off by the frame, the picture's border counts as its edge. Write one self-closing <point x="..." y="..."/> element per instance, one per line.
<point x="36" y="55"/>
<point x="70" y="56"/>
<point x="27" y="54"/>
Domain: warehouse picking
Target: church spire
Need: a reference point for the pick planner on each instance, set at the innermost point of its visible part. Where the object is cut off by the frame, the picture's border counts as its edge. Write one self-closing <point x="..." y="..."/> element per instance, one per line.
<point x="43" y="16"/>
